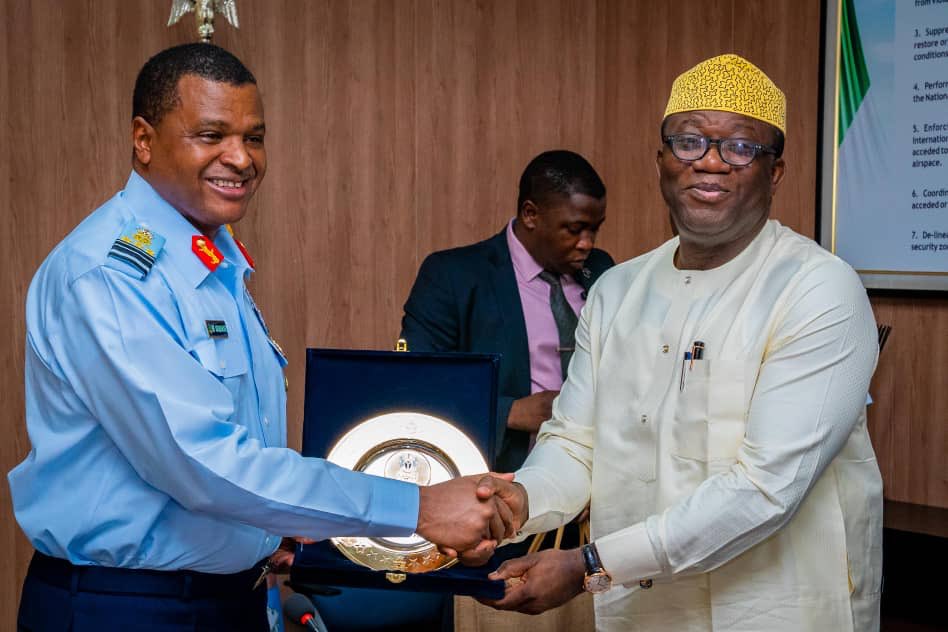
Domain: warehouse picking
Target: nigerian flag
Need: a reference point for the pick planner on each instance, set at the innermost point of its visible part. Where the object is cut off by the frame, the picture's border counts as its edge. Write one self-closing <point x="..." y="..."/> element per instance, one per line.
<point x="853" y="74"/>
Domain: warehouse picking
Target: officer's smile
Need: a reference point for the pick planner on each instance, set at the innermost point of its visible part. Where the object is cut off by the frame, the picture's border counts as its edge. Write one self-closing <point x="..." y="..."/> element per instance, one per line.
<point x="227" y="184"/>
<point x="232" y="189"/>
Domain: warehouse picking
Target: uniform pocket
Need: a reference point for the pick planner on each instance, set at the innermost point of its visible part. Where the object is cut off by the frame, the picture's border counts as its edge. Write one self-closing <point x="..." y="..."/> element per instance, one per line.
<point x="224" y="358"/>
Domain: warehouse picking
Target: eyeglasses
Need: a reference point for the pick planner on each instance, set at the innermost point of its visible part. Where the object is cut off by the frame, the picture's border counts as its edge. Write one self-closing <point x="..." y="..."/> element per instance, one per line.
<point x="736" y="152"/>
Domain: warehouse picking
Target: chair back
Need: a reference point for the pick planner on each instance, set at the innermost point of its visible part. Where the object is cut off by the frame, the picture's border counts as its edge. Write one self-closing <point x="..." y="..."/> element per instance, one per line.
<point x="884" y="331"/>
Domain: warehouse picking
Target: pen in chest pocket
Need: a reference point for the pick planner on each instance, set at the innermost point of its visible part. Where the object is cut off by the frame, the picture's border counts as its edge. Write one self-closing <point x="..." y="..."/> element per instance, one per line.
<point x="696" y="353"/>
<point x="681" y="383"/>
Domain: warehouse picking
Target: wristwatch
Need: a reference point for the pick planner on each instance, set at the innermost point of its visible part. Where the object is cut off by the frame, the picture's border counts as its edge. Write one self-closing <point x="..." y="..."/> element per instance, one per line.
<point x="597" y="579"/>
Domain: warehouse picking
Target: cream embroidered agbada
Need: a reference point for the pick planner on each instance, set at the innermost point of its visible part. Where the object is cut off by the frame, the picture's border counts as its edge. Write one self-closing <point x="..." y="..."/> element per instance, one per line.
<point x="743" y="484"/>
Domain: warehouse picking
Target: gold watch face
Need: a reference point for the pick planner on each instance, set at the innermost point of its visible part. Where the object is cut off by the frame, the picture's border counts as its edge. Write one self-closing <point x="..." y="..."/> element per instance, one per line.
<point x="412" y="447"/>
<point x="597" y="582"/>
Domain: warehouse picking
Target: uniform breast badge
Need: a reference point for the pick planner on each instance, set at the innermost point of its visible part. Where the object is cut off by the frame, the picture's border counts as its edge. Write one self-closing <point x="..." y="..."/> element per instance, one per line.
<point x="216" y="328"/>
<point x="137" y="247"/>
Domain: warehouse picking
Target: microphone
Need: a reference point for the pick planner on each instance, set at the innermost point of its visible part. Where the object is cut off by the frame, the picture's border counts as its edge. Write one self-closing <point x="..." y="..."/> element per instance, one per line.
<point x="301" y="610"/>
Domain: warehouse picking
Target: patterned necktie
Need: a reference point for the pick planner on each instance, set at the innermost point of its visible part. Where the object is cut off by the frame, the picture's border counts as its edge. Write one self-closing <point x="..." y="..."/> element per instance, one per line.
<point x="564" y="316"/>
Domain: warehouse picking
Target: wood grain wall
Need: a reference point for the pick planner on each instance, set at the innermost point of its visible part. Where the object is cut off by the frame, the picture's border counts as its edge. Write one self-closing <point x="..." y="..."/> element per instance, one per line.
<point x="396" y="127"/>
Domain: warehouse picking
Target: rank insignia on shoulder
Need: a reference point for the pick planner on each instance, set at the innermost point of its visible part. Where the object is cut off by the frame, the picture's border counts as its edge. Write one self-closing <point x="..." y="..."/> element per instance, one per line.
<point x="216" y="328"/>
<point x="137" y="247"/>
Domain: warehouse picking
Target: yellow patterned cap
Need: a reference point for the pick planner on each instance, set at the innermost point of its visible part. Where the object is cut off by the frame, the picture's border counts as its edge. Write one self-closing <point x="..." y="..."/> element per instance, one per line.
<point x="729" y="83"/>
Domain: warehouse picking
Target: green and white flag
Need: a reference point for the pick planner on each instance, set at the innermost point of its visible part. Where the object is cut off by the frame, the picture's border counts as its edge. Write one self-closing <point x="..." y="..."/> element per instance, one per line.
<point x="853" y="74"/>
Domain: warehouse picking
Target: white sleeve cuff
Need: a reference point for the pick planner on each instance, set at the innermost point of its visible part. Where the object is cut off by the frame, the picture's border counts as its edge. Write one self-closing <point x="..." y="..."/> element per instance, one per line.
<point x="627" y="555"/>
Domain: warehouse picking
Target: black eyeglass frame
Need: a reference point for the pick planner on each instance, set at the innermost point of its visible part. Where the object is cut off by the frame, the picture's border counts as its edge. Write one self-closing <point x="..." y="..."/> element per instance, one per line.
<point x="758" y="148"/>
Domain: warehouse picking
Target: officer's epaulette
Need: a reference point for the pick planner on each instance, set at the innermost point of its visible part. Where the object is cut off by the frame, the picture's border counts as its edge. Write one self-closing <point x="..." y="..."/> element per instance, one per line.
<point x="136" y="248"/>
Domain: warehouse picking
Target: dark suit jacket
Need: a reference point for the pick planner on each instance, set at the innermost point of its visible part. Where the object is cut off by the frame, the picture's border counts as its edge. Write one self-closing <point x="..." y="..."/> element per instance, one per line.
<point x="466" y="299"/>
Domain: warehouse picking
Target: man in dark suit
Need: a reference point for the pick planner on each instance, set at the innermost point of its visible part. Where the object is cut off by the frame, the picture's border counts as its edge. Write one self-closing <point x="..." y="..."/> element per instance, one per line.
<point x="489" y="297"/>
<point x="518" y="294"/>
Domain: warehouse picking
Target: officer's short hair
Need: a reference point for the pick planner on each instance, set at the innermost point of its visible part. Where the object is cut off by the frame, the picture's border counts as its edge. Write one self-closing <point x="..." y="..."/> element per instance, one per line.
<point x="156" y="88"/>
<point x="559" y="172"/>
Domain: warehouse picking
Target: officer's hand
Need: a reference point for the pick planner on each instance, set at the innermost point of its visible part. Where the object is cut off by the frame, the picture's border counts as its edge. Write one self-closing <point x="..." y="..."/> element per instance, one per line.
<point x="282" y="559"/>
<point x="527" y="413"/>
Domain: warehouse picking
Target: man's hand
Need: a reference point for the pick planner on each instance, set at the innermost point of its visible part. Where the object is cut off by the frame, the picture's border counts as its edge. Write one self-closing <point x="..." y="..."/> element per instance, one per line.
<point x="514" y="495"/>
<point x="467" y="513"/>
<point x="282" y="558"/>
<point x="511" y="495"/>
<point x="527" y="413"/>
<point x="540" y="581"/>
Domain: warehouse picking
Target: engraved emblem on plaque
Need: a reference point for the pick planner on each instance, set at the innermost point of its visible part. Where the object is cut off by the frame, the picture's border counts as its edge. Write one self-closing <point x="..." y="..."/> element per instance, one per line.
<point x="408" y="466"/>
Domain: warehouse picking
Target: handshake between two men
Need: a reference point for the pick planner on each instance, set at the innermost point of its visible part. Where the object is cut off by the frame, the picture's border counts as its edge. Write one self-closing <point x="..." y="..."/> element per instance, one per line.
<point x="465" y="517"/>
<point x="470" y="516"/>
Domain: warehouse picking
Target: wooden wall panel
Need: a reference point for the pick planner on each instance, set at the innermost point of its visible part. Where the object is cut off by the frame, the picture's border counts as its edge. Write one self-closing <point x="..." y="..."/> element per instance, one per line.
<point x="792" y="59"/>
<point x="396" y="127"/>
<point x="908" y="421"/>
<point x="642" y="47"/>
<point x="13" y="282"/>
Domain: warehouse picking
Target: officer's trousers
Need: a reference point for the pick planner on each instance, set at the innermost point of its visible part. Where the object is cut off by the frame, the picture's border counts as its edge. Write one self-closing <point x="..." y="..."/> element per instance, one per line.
<point x="61" y="597"/>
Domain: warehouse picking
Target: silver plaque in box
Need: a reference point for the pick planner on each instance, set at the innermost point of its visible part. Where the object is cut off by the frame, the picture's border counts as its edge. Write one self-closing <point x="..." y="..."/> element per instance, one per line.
<point x="411" y="447"/>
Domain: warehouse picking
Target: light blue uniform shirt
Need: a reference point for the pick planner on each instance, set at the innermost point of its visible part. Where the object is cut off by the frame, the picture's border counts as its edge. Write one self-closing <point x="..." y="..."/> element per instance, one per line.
<point x="155" y="445"/>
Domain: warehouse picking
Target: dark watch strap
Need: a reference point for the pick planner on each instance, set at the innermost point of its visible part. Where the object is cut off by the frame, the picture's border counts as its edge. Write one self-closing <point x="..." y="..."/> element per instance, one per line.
<point x="591" y="559"/>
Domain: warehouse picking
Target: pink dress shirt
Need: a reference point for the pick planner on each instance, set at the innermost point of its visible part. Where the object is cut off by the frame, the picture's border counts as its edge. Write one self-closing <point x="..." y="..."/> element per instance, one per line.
<point x="542" y="337"/>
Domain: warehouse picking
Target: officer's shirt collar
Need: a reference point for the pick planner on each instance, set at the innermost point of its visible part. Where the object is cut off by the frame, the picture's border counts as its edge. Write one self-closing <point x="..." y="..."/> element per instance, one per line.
<point x="154" y="212"/>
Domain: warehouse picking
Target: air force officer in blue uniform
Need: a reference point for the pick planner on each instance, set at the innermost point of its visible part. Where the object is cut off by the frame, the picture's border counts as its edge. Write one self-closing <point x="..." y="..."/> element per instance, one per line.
<point x="158" y="479"/>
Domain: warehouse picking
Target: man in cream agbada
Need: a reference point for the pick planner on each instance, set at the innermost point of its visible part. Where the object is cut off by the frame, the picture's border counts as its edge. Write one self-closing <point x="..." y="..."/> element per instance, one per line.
<point x="714" y="413"/>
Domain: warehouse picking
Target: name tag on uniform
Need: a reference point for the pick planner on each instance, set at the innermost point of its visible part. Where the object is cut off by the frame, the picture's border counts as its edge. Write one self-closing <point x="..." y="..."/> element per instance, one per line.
<point x="216" y="328"/>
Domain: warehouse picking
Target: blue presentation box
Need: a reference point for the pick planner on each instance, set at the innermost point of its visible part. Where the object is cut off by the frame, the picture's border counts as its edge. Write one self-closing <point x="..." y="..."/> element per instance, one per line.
<point x="346" y="387"/>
